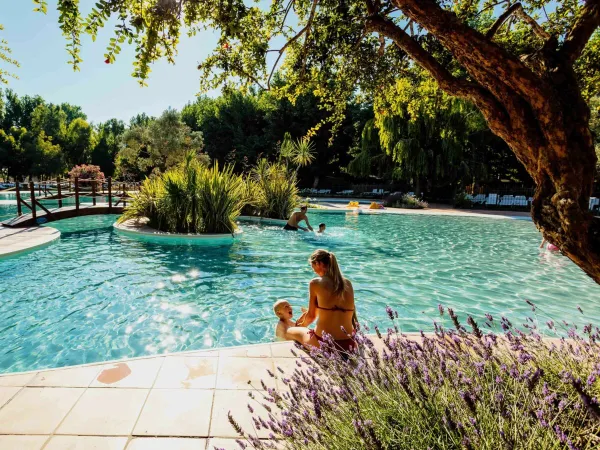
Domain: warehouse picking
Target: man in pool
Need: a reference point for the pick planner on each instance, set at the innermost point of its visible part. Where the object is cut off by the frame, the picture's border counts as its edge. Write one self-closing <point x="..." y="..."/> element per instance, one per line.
<point x="283" y="310"/>
<point x="322" y="227"/>
<point x="295" y="218"/>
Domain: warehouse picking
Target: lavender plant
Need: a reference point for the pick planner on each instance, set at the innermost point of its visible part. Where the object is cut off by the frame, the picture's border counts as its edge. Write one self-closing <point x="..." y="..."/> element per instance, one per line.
<point x="458" y="388"/>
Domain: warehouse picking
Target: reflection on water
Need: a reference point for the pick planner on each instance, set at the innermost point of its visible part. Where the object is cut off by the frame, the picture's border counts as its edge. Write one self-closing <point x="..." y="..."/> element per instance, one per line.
<point x="99" y="295"/>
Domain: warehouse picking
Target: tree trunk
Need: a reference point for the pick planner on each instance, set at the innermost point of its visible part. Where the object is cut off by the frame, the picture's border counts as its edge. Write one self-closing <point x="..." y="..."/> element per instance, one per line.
<point x="533" y="102"/>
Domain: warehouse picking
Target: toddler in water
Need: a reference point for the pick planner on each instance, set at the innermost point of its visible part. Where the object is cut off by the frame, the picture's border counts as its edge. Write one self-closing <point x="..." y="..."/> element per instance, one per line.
<point x="283" y="310"/>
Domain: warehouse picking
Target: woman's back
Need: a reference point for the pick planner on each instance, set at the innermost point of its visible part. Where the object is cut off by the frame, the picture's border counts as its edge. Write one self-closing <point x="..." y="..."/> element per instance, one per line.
<point x="334" y="310"/>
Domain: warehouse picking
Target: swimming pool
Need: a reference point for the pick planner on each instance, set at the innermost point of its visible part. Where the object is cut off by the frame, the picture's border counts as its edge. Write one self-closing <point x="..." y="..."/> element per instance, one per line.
<point x="98" y="295"/>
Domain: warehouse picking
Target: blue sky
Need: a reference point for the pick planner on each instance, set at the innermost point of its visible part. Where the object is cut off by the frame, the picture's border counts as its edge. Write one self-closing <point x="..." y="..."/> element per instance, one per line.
<point x="103" y="91"/>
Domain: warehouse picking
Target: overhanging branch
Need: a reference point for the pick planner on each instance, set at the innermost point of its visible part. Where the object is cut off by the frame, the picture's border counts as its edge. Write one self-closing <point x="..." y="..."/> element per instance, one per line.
<point x="498" y="23"/>
<point x="517" y="10"/>
<point x="582" y="31"/>
<point x="298" y="35"/>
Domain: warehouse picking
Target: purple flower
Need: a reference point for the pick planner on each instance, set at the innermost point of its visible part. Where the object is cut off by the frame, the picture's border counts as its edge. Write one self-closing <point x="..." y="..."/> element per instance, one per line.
<point x="250" y="409"/>
<point x="499" y="397"/>
<point x="441" y="309"/>
<point x="540" y="415"/>
<point x="562" y="437"/>
<point x="591" y="379"/>
<point x="579" y="309"/>
<point x="498" y="380"/>
<point x="390" y="312"/>
<point x="489" y="317"/>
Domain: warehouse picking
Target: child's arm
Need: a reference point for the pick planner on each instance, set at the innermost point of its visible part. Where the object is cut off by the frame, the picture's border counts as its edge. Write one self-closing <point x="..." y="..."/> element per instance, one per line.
<point x="280" y="330"/>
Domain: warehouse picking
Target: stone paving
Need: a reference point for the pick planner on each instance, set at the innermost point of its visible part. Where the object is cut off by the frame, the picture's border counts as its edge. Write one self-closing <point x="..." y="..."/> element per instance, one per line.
<point x="176" y="401"/>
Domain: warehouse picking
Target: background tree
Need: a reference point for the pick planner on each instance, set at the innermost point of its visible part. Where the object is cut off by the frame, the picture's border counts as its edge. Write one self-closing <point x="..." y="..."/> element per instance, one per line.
<point x="156" y="145"/>
<point x="521" y="74"/>
<point x="79" y="142"/>
<point x="108" y="145"/>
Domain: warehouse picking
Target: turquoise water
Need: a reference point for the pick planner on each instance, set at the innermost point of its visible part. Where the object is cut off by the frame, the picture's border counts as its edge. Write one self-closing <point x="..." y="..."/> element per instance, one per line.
<point x="97" y="295"/>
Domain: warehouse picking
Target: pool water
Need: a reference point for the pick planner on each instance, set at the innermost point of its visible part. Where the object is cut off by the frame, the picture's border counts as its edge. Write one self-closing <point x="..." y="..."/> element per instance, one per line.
<point x="98" y="295"/>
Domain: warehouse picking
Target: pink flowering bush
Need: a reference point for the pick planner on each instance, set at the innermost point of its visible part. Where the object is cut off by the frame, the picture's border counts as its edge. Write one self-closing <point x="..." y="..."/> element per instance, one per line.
<point x="86" y="173"/>
<point x="456" y="388"/>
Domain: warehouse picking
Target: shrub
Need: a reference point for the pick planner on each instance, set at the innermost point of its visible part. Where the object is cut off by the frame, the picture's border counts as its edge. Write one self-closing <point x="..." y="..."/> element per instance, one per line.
<point x="86" y="173"/>
<point x="462" y="201"/>
<point x="452" y="389"/>
<point x="276" y="192"/>
<point x="190" y="198"/>
<point x="405" y="201"/>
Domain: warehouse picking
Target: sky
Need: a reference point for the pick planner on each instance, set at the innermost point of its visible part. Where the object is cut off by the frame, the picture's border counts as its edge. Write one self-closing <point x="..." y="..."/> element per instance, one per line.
<point x="102" y="90"/>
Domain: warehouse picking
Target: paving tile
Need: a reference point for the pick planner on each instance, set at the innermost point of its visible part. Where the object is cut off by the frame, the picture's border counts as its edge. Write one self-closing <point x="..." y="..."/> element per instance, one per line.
<point x="140" y="373"/>
<point x="206" y="353"/>
<point x="16" y="380"/>
<point x="13" y="442"/>
<point x="167" y="443"/>
<point x="187" y="373"/>
<point x="86" y="443"/>
<point x="288" y="365"/>
<point x="103" y="412"/>
<point x="235" y="401"/>
<point x="175" y="412"/>
<point x="284" y="350"/>
<point x="234" y="373"/>
<point x="224" y="443"/>
<point x="71" y="377"/>
<point x="6" y="393"/>
<point x="37" y="410"/>
<point x="253" y="351"/>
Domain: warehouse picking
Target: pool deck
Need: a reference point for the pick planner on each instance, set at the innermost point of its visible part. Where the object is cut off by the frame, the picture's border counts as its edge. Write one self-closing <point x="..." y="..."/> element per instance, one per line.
<point x="18" y="240"/>
<point x="175" y="401"/>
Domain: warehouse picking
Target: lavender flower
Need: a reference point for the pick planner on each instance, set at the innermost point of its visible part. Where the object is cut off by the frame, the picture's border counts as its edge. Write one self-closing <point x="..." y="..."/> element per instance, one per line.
<point x="441" y="309"/>
<point x="390" y="312"/>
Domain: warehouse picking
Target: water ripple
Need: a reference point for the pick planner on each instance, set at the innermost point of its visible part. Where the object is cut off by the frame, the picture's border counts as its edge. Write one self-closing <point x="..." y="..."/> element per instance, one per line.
<point x="97" y="295"/>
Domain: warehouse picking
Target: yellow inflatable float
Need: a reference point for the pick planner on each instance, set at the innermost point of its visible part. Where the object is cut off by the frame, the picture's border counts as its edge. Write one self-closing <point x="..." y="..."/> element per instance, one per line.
<point x="375" y="205"/>
<point x="352" y="205"/>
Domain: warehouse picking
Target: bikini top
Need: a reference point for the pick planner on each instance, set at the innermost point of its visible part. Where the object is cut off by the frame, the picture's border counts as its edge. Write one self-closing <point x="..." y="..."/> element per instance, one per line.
<point x="335" y="308"/>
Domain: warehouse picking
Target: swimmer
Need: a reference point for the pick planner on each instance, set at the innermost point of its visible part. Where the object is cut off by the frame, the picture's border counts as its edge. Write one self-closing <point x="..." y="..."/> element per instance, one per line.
<point x="322" y="227"/>
<point x="283" y="310"/>
<point x="295" y="218"/>
<point x="551" y="247"/>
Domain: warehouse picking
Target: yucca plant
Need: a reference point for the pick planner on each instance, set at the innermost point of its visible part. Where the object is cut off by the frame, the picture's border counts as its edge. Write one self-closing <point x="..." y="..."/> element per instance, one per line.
<point x="190" y="198"/>
<point x="145" y="202"/>
<point x="277" y="193"/>
<point x="221" y="198"/>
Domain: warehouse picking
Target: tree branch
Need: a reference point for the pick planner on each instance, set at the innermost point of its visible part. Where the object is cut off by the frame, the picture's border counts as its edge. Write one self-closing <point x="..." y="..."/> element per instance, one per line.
<point x="537" y="29"/>
<point x="517" y="10"/>
<point x="582" y="31"/>
<point x="386" y="27"/>
<point x="292" y="40"/>
<point x="487" y="63"/>
<point x="498" y="23"/>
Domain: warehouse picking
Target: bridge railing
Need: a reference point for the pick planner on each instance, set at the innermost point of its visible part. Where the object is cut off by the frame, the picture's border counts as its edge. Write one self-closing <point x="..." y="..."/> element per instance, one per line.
<point x="113" y="192"/>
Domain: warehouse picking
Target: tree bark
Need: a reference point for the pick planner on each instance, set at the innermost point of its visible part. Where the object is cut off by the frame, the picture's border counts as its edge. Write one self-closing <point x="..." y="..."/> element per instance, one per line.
<point x="537" y="109"/>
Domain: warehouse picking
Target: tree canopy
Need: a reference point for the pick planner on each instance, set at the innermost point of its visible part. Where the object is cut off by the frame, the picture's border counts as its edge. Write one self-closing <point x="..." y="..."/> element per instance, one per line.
<point x="529" y="67"/>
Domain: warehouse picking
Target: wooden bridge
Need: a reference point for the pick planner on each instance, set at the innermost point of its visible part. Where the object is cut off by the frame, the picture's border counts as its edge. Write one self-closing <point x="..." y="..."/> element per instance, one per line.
<point x="114" y="199"/>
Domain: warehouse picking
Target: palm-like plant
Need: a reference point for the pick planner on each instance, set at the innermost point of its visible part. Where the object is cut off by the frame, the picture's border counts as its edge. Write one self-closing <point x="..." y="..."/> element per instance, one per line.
<point x="300" y="152"/>
<point x="275" y="191"/>
<point x="304" y="153"/>
<point x="190" y="198"/>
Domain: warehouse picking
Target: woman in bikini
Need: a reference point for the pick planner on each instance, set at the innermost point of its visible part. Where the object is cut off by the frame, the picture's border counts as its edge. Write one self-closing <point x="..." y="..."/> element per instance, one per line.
<point x="331" y="303"/>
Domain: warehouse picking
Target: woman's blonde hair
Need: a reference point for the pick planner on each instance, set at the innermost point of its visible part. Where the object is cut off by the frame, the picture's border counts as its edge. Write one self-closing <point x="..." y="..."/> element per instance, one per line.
<point x="333" y="270"/>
